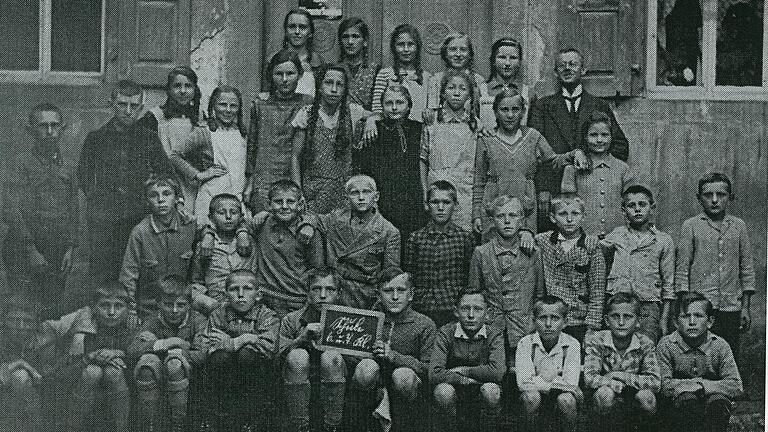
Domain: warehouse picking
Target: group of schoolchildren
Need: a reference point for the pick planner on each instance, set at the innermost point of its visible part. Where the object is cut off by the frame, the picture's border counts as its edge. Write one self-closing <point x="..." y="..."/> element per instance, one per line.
<point x="209" y="318"/>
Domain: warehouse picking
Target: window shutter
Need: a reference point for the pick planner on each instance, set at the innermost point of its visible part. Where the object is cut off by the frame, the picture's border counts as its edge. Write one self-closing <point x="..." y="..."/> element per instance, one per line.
<point x="154" y="37"/>
<point x="605" y="31"/>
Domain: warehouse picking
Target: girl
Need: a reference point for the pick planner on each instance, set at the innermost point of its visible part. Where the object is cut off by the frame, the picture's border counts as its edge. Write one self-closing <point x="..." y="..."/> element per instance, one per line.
<point x="173" y="121"/>
<point x="405" y="46"/>
<point x="602" y="181"/>
<point x="353" y="40"/>
<point x="448" y="145"/>
<point x="458" y="55"/>
<point x="271" y="134"/>
<point x="213" y="156"/>
<point x="505" y="62"/>
<point x="321" y="160"/>
<point x="506" y="163"/>
<point x="393" y="161"/>
<point x="299" y="31"/>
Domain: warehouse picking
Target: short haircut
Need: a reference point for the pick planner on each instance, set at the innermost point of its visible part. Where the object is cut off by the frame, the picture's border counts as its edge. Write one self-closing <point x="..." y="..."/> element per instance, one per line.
<point x="636" y="189"/>
<point x="398" y="88"/>
<point x="564" y="199"/>
<point x="282" y="56"/>
<point x="127" y="88"/>
<point x="716" y="177"/>
<point x="622" y="298"/>
<point x="685" y="299"/>
<point x="595" y="117"/>
<point x="465" y="292"/>
<point x="502" y="200"/>
<point x="549" y="300"/>
<point x="173" y="286"/>
<point x="360" y="178"/>
<point x="444" y="186"/>
<point x="570" y="50"/>
<point x="162" y="181"/>
<point x="42" y="107"/>
<point x="217" y="199"/>
<point x="242" y="272"/>
<point x="391" y="273"/>
<point x="508" y="92"/>
<point x="316" y="273"/>
<point x="284" y="185"/>
<point x="109" y="289"/>
<point x="452" y="37"/>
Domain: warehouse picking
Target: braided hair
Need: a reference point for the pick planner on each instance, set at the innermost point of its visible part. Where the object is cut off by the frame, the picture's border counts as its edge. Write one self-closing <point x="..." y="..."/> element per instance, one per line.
<point x="413" y="32"/>
<point x="471" y="84"/>
<point x="343" y="127"/>
<point x="218" y="91"/>
<point x="348" y="24"/>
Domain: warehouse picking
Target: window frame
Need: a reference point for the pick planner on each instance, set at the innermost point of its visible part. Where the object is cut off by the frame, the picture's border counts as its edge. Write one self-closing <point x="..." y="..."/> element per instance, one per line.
<point x="44" y="74"/>
<point x="707" y="90"/>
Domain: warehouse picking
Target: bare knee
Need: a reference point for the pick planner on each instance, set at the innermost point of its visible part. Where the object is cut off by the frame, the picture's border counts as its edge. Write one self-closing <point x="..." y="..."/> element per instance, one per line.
<point x="566" y="404"/>
<point x="490" y="394"/>
<point x="531" y="401"/>
<point x="366" y="373"/>
<point x="646" y="400"/>
<point x="332" y="367"/>
<point x="20" y="379"/>
<point x="296" y="365"/>
<point x="175" y="369"/>
<point x="605" y="399"/>
<point x="445" y="396"/>
<point x="405" y="381"/>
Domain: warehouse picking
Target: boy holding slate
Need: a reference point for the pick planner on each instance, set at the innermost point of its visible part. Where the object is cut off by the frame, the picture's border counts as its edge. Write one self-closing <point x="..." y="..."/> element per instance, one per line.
<point x="299" y="332"/>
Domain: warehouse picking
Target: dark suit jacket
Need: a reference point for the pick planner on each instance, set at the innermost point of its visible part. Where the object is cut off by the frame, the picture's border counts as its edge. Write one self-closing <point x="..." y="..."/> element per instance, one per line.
<point x="550" y="116"/>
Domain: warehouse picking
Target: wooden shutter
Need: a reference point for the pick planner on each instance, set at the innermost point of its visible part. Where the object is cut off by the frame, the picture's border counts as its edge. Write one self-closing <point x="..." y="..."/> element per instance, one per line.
<point x="154" y="37"/>
<point x="606" y="32"/>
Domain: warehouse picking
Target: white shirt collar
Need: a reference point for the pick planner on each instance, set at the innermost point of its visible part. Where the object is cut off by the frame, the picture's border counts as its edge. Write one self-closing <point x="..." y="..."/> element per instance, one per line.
<point x="459" y="333"/>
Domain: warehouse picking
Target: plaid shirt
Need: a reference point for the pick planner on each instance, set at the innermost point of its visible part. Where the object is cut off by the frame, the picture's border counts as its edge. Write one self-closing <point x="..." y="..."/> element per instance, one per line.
<point x="576" y="276"/>
<point x="638" y="365"/>
<point x="438" y="259"/>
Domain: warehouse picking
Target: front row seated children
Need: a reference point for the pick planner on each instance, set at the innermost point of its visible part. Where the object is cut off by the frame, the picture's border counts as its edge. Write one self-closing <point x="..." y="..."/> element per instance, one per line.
<point x="159" y="245"/>
<point x="100" y="338"/>
<point x="240" y="343"/>
<point x="642" y="261"/>
<point x="622" y="368"/>
<point x="163" y="358"/>
<point x="400" y="359"/>
<point x="19" y="379"/>
<point x="698" y="371"/>
<point x="299" y="333"/>
<point x="574" y="266"/>
<point x="547" y="366"/>
<point x="468" y="364"/>
<point x="509" y="277"/>
<point x="210" y="271"/>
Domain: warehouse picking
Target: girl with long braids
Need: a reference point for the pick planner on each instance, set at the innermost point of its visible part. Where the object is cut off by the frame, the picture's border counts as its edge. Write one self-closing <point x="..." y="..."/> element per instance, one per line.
<point x="353" y="37"/>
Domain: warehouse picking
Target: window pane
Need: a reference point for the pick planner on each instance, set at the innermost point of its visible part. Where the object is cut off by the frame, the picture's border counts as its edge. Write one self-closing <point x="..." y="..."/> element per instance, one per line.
<point x="679" y="43"/>
<point x="76" y="35"/>
<point x="19" y="18"/>
<point x="739" y="43"/>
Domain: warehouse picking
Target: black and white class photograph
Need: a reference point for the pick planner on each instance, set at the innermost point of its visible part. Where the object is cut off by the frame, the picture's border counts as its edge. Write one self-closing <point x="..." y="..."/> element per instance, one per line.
<point x="383" y="215"/>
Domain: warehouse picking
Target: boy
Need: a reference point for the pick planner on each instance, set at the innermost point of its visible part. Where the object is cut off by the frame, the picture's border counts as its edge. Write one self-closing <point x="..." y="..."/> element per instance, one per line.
<point x="547" y="366"/>
<point x="714" y="258"/>
<point x="44" y="209"/>
<point x="698" y="371"/>
<point x="209" y="273"/>
<point x="643" y="261"/>
<point x="437" y="256"/>
<point x="360" y="243"/>
<point x="159" y="245"/>
<point x="161" y="350"/>
<point x="468" y="363"/>
<point x="19" y="396"/>
<point x="401" y="358"/>
<point x="621" y="366"/>
<point x="510" y="278"/>
<point x="114" y="163"/>
<point x="574" y="270"/>
<point x="240" y="343"/>
<point x="560" y="118"/>
<point x="299" y="332"/>
<point x="100" y="340"/>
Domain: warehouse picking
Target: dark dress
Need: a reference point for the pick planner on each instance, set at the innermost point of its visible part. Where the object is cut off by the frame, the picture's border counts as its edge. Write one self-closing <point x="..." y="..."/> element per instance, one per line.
<point x="395" y="167"/>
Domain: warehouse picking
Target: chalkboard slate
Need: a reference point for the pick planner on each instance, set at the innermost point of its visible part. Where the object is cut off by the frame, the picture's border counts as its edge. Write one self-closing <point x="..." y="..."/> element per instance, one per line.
<point x="350" y="331"/>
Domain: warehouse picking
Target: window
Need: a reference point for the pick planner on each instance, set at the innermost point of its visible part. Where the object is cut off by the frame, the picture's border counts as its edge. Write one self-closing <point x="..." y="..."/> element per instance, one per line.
<point x="710" y="49"/>
<point x="55" y="41"/>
